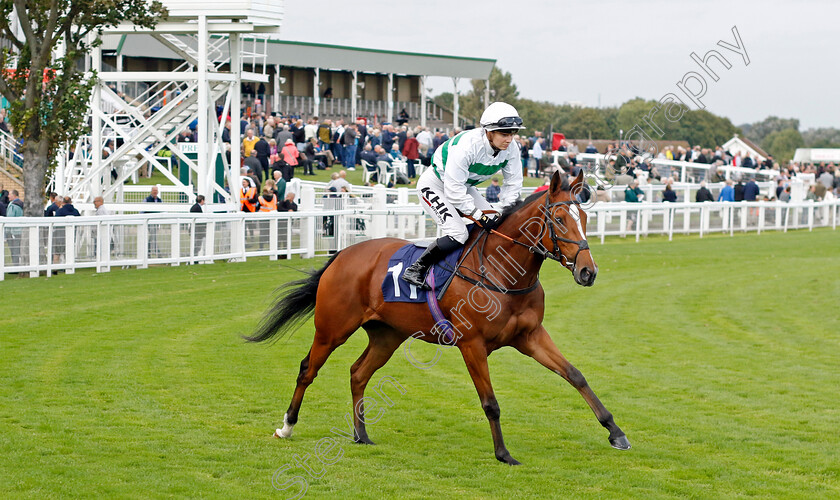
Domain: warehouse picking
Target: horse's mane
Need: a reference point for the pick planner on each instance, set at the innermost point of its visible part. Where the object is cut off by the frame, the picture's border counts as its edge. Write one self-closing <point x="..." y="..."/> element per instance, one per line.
<point x="511" y="209"/>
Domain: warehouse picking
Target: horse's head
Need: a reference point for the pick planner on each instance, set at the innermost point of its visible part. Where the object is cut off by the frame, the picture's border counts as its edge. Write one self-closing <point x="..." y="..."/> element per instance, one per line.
<point x="557" y="226"/>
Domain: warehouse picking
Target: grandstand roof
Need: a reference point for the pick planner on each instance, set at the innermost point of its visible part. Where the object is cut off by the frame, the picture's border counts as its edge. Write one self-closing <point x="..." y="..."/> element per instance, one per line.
<point x="326" y="56"/>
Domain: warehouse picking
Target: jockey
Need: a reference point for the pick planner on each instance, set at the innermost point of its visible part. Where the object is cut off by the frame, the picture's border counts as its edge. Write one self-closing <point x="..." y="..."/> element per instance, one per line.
<point x="459" y="164"/>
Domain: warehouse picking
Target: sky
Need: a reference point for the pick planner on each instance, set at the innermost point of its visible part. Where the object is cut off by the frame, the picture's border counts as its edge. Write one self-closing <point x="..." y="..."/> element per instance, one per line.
<point x="611" y="51"/>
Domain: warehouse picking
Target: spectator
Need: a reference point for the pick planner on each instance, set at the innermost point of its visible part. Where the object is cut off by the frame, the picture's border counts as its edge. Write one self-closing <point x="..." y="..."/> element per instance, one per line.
<point x="3" y="125"/>
<point x="198" y="207"/>
<point x="67" y="209"/>
<point x="263" y="149"/>
<point x="748" y="162"/>
<point x="827" y="178"/>
<point x="403" y="117"/>
<point x="226" y="132"/>
<point x="395" y="152"/>
<point x="424" y="141"/>
<point x="284" y="134"/>
<point x="268" y="128"/>
<point x="703" y="194"/>
<point x="290" y="154"/>
<point x="388" y="137"/>
<point x="368" y="155"/>
<point x="375" y="138"/>
<point x="739" y="191"/>
<point x="349" y="139"/>
<point x="248" y="198"/>
<point x="310" y="131"/>
<point x="785" y="196"/>
<point x="298" y="135"/>
<point x="601" y="194"/>
<point x="338" y="180"/>
<point x="411" y="151"/>
<point x="537" y="154"/>
<point x="254" y="166"/>
<point x="590" y="148"/>
<point x="15" y="205"/>
<point x="248" y="142"/>
<point x="200" y="227"/>
<point x="402" y="135"/>
<point x="669" y="196"/>
<point x="727" y="193"/>
<point x="382" y="155"/>
<point x="316" y="155"/>
<point x="279" y="185"/>
<point x="52" y="207"/>
<point x="439" y="139"/>
<point x="324" y="135"/>
<point x="288" y="205"/>
<point x="493" y="190"/>
<point x="267" y="201"/>
<point x="4" y="202"/>
<point x="524" y="155"/>
<point x="750" y="190"/>
<point x="632" y="194"/>
<point x="99" y="204"/>
<point x="152" y="198"/>
<point x="14" y="234"/>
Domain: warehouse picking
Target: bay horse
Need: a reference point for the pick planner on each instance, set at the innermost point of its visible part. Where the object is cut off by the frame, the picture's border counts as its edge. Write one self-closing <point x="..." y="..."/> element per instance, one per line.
<point x="346" y="294"/>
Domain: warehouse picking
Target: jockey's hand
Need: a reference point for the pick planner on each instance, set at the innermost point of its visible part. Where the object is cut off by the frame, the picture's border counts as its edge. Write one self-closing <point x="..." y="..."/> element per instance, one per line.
<point x="487" y="221"/>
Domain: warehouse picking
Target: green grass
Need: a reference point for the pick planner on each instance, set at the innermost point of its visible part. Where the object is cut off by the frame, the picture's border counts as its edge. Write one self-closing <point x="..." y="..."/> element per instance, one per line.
<point x="717" y="356"/>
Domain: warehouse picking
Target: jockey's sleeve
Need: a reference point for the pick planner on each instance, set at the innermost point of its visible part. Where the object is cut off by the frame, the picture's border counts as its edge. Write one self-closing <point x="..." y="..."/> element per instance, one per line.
<point x="455" y="176"/>
<point x="512" y="174"/>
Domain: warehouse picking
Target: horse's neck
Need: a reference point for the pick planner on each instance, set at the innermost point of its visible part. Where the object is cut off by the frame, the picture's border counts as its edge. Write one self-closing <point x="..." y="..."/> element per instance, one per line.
<point x="506" y="264"/>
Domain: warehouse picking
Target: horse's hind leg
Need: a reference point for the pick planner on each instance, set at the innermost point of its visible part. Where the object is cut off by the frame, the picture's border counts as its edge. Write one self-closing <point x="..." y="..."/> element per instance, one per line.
<point x="538" y="345"/>
<point x="383" y="341"/>
<point x="322" y="346"/>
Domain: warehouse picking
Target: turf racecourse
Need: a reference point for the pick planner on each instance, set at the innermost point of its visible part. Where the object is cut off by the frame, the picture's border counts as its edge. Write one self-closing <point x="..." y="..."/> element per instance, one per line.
<point x="717" y="356"/>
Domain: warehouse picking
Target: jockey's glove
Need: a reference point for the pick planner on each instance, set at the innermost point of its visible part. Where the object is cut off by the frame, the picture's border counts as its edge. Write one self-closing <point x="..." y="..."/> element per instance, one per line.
<point x="487" y="221"/>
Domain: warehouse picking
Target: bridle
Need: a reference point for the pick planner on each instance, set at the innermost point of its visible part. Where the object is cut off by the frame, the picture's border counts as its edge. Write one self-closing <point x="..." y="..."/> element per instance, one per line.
<point x="555" y="253"/>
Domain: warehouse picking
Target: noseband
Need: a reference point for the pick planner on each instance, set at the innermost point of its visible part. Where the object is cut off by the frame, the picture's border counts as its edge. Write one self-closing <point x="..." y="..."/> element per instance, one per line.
<point x="555" y="254"/>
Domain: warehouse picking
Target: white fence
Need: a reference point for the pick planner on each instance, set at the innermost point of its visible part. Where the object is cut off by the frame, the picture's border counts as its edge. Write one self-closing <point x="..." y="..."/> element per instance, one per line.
<point x="36" y="245"/>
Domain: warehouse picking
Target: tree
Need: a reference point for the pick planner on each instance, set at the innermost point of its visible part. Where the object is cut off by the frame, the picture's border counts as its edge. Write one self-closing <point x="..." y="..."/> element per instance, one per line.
<point x="48" y="95"/>
<point x="757" y="131"/>
<point x="586" y="123"/>
<point x="782" y="144"/>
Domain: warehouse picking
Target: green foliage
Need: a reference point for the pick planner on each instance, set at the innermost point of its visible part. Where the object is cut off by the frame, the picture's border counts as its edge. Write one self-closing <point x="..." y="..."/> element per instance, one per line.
<point x="587" y="123"/>
<point x="782" y="144"/>
<point x="828" y="137"/>
<point x="47" y="93"/>
<point x="757" y="131"/>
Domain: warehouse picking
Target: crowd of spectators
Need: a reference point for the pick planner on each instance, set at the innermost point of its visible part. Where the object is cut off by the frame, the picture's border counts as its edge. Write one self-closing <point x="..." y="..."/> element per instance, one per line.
<point x="291" y="143"/>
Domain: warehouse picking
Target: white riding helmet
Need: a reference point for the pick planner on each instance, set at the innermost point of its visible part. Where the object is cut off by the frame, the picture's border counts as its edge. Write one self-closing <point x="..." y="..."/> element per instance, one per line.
<point x="501" y="116"/>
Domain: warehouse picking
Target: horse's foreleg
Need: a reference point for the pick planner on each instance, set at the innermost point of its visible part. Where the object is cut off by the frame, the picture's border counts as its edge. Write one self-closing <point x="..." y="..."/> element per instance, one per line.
<point x="381" y="347"/>
<point x="475" y="356"/>
<point x="538" y="345"/>
<point x="322" y="346"/>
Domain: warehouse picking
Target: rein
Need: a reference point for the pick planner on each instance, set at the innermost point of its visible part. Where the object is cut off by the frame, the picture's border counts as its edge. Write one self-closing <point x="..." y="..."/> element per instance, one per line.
<point x="555" y="254"/>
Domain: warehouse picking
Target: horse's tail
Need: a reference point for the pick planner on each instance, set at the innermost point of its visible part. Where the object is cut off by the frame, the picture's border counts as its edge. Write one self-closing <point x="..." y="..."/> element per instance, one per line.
<point x="295" y="303"/>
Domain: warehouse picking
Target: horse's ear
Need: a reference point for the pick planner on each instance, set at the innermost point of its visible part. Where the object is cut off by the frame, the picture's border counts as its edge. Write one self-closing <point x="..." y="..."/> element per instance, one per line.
<point x="556" y="182"/>
<point x="576" y="183"/>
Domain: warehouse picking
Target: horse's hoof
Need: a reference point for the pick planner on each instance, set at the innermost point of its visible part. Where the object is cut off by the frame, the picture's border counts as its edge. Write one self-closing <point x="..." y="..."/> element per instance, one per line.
<point x="620" y="443"/>
<point x="364" y="441"/>
<point x="282" y="435"/>
<point x="507" y="459"/>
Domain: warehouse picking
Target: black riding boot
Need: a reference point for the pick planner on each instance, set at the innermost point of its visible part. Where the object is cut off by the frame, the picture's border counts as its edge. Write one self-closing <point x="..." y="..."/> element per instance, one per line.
<point x="438" y="249"/>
